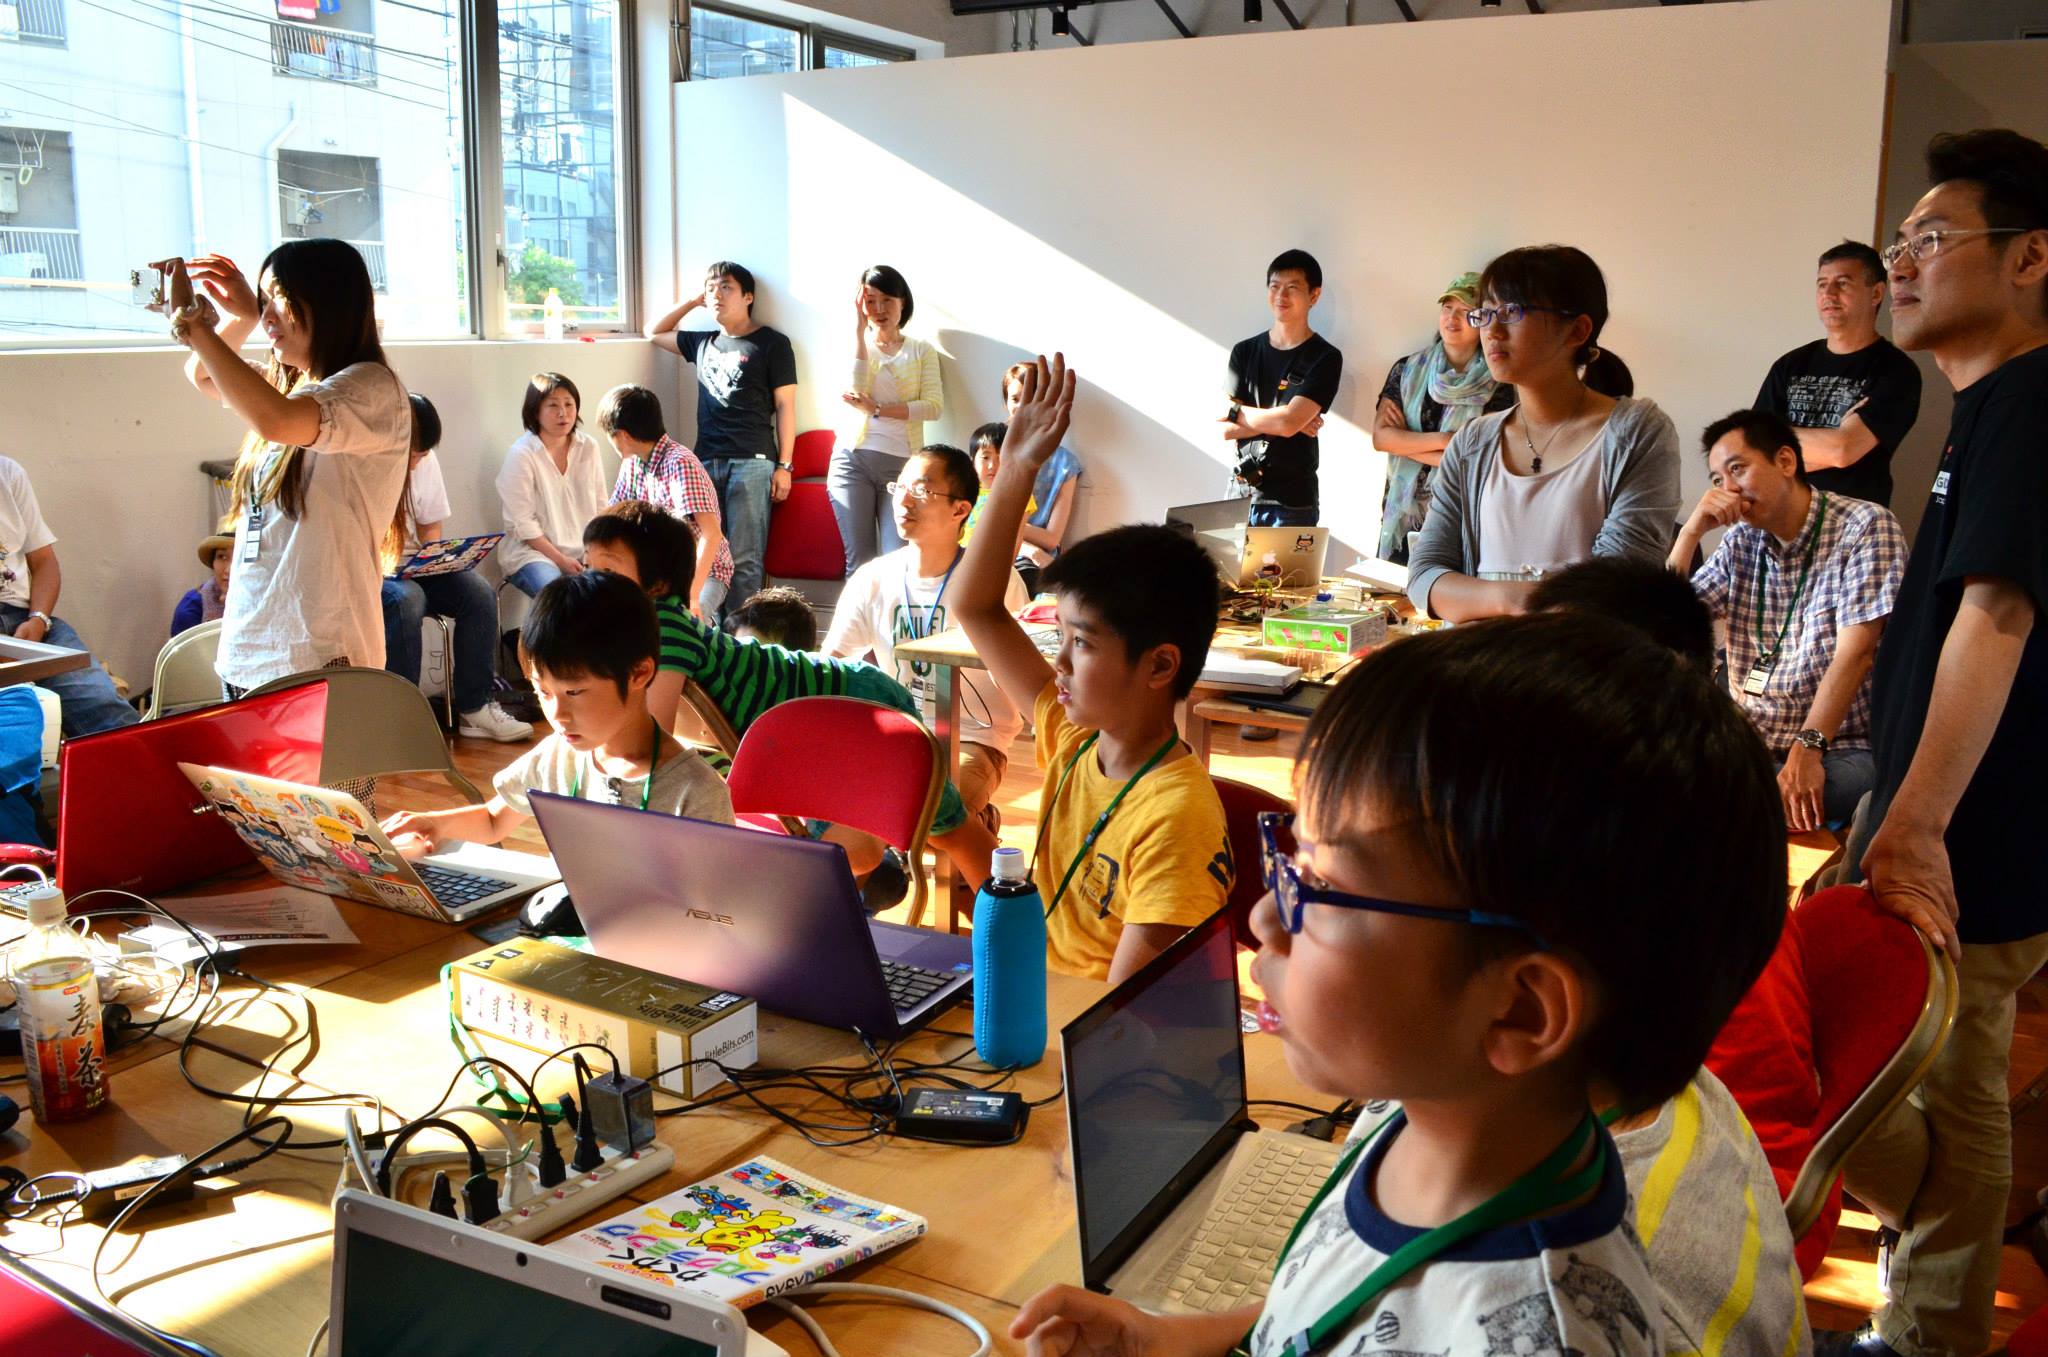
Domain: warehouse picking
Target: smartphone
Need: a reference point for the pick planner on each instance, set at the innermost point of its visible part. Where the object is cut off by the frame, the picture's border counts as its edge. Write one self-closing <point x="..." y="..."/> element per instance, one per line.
<point x="146" y="288"/>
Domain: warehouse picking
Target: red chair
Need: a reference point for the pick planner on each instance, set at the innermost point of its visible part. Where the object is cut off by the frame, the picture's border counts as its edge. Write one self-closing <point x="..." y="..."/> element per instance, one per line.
<point x="1845" y="1021"/>
<point x="850" y="762"/>
<point x="1242" y="803"/>
<point x="803" y="536"/>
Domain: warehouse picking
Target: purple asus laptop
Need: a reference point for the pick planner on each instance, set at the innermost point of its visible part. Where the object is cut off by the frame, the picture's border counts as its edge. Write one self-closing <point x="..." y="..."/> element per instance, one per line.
<point x="765" y="915"/>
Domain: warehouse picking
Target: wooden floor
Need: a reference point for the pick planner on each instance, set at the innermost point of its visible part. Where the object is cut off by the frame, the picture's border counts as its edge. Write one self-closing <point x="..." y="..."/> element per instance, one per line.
<point x="1844" y="1291"/>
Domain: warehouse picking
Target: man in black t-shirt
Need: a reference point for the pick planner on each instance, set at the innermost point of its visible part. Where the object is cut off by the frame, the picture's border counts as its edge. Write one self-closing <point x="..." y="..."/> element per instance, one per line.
<point x="746" y="412"/>
<point x="1281" y="383"/>
<point x="1852" y="395"/>
<point x="1959" y="726"/>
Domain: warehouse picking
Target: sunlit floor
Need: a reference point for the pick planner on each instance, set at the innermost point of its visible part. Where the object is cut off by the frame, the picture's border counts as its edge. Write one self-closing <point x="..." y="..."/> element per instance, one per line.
<point x="1844" y="1291"/>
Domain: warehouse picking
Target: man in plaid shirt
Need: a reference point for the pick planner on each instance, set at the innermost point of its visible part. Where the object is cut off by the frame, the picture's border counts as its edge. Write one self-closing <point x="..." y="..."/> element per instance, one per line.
<point x="1804" y="579"/>
<point x="655" y="468"/>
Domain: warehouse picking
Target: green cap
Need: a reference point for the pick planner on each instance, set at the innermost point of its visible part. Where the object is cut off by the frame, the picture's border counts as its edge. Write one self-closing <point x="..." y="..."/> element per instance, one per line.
<point x="1464" y="287"/>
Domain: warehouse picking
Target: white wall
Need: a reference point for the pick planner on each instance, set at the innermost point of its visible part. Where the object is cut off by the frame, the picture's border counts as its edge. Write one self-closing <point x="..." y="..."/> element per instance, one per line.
<point x="1949" y="87"/>
<point x="112" y="440"/>
<point x="1122" y="202"/>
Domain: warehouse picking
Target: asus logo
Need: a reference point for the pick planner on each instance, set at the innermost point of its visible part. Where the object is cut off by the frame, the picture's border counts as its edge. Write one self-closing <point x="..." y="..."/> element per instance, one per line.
<point x="708" y="917"/>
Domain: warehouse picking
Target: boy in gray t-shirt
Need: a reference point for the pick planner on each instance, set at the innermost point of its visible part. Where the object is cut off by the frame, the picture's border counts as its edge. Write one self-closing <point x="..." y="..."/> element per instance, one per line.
<point x="589" y="645"/>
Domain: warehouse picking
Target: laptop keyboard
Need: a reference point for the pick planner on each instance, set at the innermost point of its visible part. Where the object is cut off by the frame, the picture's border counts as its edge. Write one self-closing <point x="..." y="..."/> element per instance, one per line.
<point x="453" y="888"/>
<point x="1228" y="1261"/>
<point x="910" y="986"/>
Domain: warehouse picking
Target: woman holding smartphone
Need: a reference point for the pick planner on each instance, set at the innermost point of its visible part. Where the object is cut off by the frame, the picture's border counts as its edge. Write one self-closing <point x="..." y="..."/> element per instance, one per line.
<point x="317" y="487"/>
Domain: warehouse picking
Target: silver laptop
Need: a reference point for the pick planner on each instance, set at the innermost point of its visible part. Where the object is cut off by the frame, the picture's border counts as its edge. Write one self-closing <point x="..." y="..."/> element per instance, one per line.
<point x="1184" y="1204"/>
<point x="323" y="840"/>
<point x="1298" y="556"/>
<point x="761" y="914"/>
<point x="410" y="1284"/>
<point x="1218" y="527"/>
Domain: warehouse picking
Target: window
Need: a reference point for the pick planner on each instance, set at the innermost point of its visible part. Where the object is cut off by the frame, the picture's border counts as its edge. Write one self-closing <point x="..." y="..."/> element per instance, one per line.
<point x="559" y="78"/>
<point x="34" y="21"/>
<point x="340" y="118"/>
<point x="726" y="43"/>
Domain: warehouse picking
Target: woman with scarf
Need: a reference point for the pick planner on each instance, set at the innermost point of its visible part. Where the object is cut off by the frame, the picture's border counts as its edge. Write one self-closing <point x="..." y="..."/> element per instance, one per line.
<point x="1428" y="397"/>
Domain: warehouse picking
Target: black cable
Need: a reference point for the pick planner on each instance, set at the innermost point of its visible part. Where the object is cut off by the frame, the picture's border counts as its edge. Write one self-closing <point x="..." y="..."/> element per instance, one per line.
<point x="408" y="1131"/>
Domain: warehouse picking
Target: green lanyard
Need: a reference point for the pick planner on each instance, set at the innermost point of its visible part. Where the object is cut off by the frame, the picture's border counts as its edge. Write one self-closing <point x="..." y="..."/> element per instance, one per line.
<point x="1542" y="1189"/>
<point x="646" y="789"/>
<point x="1768" y="657"/>
<point x="1102" y="820"/>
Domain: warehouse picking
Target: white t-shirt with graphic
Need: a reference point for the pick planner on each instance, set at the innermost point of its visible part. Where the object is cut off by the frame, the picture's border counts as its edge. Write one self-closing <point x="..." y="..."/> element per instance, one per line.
<point x="22" y="530"/>
<point x="887" y="602"/>
<point x="1572" y="1282"/>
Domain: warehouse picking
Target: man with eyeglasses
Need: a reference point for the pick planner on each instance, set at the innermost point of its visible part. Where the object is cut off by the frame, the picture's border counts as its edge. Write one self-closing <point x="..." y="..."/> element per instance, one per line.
<point x="901" y="596"/>
<point x="1960" y="731"/>
<point x="1282" y="380"/>
<point x="1852" y="395"/>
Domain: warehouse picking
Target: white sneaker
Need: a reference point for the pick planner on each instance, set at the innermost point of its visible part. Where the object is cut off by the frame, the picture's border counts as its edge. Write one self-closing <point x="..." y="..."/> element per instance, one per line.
<point x="492" y="722"/>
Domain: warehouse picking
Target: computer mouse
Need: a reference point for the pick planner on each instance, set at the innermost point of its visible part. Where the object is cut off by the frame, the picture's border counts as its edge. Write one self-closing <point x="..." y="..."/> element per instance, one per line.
<point x="549" y="913"/>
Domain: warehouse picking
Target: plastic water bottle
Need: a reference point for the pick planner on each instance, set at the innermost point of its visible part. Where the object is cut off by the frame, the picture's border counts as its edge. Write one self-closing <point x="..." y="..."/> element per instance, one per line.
<point x="59" y="997"/>
<point x="1009" y="964"/>
<point x="1323" y="606"/>
<point x="551" y="312"/>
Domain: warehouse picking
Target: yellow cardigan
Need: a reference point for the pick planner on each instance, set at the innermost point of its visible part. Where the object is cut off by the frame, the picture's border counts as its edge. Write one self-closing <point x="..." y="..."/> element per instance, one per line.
<point x="917" y="378"/>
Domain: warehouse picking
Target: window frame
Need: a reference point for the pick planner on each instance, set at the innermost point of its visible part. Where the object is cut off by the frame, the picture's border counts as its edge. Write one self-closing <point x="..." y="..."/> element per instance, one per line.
<point x="812" y="39"/>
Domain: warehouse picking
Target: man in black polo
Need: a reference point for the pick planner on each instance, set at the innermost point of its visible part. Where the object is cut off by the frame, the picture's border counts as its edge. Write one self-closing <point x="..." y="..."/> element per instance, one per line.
<point x="1282" y="381"/>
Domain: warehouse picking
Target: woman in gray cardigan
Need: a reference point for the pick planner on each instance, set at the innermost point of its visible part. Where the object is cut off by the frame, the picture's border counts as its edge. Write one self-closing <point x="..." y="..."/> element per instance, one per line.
<point x="1576" y="468"/>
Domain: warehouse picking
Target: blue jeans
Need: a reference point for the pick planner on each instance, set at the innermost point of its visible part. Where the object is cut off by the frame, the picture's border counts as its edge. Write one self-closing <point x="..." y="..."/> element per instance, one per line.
<point x="1271" y="513"/>
<point x="469" y="602"/>
<point x="857" y="482"/>
<point x="534" y="576"/>
<point x="87" y="695"/>
<point x="745" y="489"/>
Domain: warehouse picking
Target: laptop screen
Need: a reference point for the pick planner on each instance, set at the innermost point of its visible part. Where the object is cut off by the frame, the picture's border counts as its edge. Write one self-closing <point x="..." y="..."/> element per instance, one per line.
<point x="397" y="1303"/>
<point x="1154" y="1073"/>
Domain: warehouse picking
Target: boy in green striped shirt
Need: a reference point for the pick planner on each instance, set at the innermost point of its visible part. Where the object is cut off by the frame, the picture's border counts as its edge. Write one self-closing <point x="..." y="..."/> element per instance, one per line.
<point x="745" y="678"/>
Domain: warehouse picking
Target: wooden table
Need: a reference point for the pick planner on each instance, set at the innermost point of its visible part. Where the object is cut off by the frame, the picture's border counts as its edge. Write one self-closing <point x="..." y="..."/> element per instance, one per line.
<point x="244" y="1268"/>
<point x="32" y="661"/>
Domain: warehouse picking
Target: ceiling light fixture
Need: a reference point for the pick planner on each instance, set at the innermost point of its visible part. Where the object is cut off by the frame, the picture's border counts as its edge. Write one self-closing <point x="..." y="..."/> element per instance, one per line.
<point x="1060" y="27"/>
<point x="1254" y="12"/>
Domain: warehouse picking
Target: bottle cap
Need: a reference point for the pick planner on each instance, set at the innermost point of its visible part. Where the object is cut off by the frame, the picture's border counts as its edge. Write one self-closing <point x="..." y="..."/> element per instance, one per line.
<point x="1008" y="864"/>
<point x="1325" y="596"/>
<point x="45" y="906"/>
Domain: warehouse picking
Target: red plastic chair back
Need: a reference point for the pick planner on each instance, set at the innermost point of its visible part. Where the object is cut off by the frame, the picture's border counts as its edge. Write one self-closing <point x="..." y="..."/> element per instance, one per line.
<point x="803" y="537"/>
<point x="1242" y="803"/>
<point x="854" y="763"/>
<point x="812" y="455"/>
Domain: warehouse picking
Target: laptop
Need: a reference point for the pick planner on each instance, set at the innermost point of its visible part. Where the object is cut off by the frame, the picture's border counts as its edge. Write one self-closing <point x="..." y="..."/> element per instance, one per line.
<point x="124" y="818"/>
<point x="323" y="840"/>
<point x="449" y="556"/>
<point x="1218" y="526"/>
<point x="406" y="1283"/>
<point x="1299" y="555"/>
<point x="761" y="914"/>
<point x="1184" y="1204"/>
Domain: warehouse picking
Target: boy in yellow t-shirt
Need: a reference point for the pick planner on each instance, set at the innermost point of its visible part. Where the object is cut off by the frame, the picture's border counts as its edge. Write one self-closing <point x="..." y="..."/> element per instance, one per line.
<point x="1131" y="843"/>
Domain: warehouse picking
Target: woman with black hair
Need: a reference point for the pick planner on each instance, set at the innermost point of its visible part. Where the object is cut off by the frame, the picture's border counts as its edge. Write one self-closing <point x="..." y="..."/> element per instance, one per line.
<point x="895" y="391"/>
<point x="317" y="486"/>
<point x="1577" y="468"/>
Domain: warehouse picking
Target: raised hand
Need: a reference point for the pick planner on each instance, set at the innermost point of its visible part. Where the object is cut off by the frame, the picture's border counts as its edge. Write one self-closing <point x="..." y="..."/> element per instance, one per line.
<point x="225" y="282"/>
<point x="1041" y="417"/>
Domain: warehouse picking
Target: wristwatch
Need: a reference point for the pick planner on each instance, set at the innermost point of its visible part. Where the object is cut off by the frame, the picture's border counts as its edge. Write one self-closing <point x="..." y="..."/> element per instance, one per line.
<point x="1813" y="740"/>
<point x="785" y="466"/>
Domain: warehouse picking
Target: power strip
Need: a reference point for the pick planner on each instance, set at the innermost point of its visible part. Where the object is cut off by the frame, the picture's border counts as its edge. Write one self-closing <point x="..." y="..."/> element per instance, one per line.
<point x="581" y="1193"/>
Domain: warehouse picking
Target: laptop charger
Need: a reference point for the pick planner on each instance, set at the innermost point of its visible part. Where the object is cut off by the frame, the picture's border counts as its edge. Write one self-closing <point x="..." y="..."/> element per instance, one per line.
<point x="969" y="1116"/>
<point x="621" y="1111"/>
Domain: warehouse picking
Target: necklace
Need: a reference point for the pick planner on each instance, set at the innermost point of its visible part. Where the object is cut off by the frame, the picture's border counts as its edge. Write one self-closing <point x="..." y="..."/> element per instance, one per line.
<point x="1535" y="457"/>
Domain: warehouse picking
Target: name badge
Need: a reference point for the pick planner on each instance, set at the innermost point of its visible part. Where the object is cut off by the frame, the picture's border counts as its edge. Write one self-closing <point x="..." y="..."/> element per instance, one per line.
<point x="1760" y="677"/>
<point x="252" y="538"/>
<point x="1941" y="487"/>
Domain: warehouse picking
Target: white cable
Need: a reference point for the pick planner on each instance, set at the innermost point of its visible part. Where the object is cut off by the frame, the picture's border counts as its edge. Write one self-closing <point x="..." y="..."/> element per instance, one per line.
<point x="891" y="1294"/>
<point x="313" y="1343"/>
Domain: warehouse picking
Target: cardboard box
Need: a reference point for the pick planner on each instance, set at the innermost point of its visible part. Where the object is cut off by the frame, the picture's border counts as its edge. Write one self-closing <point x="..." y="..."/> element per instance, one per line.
<point x="542" y="996"/>
<point x="1336" y="629"/>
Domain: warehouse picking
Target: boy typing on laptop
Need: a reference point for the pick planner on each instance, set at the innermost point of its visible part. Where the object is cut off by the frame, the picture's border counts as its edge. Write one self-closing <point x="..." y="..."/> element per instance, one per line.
<point x="589" y="646"/>
<point x="1131" y="843"/>
<point x="1456" y="922"/>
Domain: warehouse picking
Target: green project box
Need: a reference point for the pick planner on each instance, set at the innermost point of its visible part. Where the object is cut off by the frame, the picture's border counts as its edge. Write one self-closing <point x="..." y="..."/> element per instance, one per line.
<point x="1339" y="631"/>
<point x="543" y="996"/>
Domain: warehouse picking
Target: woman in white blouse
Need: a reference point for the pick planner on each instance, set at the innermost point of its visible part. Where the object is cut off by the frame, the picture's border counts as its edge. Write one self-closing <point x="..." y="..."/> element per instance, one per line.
<point x="895" y="392"/>
<point x="552" y="484"/>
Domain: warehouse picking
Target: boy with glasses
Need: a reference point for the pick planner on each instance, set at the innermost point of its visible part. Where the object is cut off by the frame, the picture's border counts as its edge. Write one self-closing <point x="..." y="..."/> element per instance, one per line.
<point x="1960" y="729"/>
<point x="1282" y="381"/>
<point x="902" y="596"/>
<point x="1852" y="395"/>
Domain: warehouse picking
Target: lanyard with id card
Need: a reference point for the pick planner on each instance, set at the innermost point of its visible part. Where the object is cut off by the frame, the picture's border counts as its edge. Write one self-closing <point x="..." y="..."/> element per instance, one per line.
<point x="268" y="481"/>
<point x="1759" y="676"/>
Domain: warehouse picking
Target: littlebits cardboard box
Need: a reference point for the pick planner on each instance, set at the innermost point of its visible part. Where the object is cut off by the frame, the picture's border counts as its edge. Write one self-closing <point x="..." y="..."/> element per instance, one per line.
<point x="543" y="996"/>
<point x="1341" y="631"/>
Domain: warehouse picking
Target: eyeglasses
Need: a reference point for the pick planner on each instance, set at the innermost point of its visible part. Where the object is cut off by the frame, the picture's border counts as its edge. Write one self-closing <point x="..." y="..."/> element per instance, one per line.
<point x="1927" y="244"/>
<point x="1291" y="896"/>
<point x="1508" y="313"/>
<point x="918" y="490"/>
